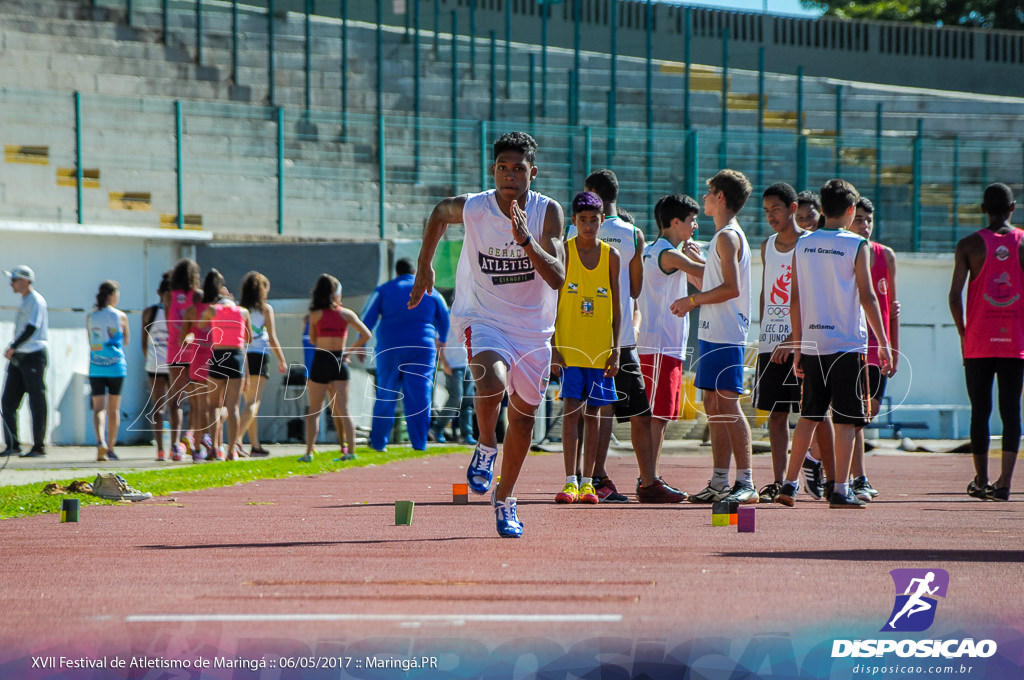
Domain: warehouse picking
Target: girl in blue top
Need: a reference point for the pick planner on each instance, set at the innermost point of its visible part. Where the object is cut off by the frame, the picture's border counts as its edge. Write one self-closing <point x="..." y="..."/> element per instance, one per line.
<point x="108" y="334"/>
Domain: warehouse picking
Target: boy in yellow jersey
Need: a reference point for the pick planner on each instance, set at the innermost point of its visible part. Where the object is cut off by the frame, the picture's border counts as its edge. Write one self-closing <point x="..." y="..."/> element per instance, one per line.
<point x="586" y="346"/>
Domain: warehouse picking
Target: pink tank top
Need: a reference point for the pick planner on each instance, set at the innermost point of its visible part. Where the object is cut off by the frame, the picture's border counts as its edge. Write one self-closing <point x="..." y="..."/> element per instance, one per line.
<point x="180" y="301"/>
<point x="995" y="310"/>
<point x="881" y="279"/>
<point x="228" y="326"/>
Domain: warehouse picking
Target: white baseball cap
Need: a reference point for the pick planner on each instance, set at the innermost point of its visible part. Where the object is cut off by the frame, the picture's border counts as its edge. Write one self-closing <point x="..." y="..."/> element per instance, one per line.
<point x="21" y="272"/>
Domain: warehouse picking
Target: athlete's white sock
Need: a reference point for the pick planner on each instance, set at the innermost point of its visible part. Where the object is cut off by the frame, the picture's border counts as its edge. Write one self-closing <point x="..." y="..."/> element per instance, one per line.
<point x="808" y="456"/>
<point x="745" y="477"/>
<point x="571" y="479"/>
<point x="585" y="480"/>
<point x="720" y="478"/>
<point x="842" y="489"/>
<point x="795" y="483"/>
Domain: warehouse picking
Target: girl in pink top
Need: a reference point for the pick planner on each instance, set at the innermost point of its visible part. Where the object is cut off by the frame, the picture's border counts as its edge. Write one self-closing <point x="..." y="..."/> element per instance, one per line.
<point x="184" y="292"/>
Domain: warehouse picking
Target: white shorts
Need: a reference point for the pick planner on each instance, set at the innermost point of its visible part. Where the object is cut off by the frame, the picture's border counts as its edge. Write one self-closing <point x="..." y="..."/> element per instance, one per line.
<point x="529" y="364"/>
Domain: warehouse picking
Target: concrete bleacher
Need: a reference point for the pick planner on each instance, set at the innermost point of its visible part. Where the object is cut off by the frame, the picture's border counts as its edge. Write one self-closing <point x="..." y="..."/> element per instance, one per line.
<point x="130" y="76"/>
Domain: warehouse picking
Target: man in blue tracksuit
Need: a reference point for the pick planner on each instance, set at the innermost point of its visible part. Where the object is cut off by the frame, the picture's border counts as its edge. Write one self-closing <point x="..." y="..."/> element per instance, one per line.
<point x="407" y="342"/>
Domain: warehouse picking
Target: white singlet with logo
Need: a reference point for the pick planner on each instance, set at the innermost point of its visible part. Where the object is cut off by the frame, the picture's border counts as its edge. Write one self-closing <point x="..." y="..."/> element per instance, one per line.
<point x="831" y="317"/>
<point x="661" y="332"/>
<point x="622" y="236"/>
<point x="495" y="282"/>
<point x="726" y="322"/>
<point x="776" y="283"/>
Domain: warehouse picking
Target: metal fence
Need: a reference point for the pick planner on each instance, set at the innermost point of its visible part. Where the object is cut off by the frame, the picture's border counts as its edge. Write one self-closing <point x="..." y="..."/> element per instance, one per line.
<point x="262" y="171"/>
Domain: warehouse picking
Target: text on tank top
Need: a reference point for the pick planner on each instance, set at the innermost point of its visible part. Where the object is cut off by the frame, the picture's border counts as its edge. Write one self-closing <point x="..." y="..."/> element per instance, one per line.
<point x="881" y="281"/>
<point x="583" y="329"/>
<point x="661" y="331"/>
<point x="106" y="344"/>
<point x="331" y="324"/>
<point x="496" y="283"/>
<point x="995" y="308"/>
<point x="831" y="316"/>
<point x="726" y="322"/>
<point x="227" y="326"/>
<point x="776" y="282"/>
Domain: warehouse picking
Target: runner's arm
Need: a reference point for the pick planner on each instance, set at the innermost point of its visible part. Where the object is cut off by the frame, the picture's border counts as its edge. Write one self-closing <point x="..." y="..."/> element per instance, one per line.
<point x="448" y="211"/>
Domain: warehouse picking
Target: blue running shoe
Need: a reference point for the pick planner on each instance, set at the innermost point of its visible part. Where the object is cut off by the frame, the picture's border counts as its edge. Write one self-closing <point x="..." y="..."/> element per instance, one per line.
<point x="481" y="469"/>
<point x="509" y="525"/>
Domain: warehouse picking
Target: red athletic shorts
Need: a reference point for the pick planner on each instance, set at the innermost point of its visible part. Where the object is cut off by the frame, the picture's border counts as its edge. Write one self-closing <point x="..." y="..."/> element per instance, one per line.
<point x="663" y="380"/>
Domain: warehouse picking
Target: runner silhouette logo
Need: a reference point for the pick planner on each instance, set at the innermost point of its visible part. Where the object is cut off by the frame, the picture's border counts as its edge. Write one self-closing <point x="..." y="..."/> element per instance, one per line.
<point x="916" y="590"/>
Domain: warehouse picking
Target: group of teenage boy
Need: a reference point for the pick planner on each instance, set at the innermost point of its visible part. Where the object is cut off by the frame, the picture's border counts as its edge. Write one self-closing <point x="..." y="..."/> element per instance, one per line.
<point x="608" y="314"/>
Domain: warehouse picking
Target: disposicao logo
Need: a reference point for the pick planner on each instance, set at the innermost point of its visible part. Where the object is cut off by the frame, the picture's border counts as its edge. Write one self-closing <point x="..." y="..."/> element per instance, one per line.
<point x="914" y="611"/>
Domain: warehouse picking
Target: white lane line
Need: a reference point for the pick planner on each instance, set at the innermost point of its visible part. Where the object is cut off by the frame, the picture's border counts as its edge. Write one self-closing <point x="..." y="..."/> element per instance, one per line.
<point x="487" y="618"/>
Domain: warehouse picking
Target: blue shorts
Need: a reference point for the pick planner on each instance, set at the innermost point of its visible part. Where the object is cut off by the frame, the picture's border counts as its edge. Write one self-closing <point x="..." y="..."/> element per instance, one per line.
<point x="589" y="385"/>
<point x="719" y="367"/>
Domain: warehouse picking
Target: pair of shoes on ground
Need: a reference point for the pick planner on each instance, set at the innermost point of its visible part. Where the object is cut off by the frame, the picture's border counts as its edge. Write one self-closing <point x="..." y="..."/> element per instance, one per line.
<point x="104" y="454"/>
<point x="988" y="492"/>
<point x="115" y="488"/>
<point x="572" y="493"/>
<point x="37" y="451"/>
<point x="258" y="452"/>
<point x="659" y="492"/>
<point x="739" y="493"/>
<point x="787" y="496"/>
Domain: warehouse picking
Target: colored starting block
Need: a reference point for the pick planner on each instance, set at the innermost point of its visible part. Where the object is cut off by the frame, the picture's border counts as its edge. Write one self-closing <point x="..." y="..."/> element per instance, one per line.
<point x="460" y="494"/>
<point x="403" y="512"/>
<point x="745" y="523"/>
<point x="723" y="513"/>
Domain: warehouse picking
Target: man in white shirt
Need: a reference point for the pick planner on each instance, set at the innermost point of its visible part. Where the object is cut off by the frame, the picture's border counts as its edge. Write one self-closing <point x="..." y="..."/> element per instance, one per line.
<point x="27" y="365"/>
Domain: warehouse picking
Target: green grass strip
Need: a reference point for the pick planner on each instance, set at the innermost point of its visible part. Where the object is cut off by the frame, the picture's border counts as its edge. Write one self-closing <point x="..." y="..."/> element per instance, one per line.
<point x="25" y="500"/>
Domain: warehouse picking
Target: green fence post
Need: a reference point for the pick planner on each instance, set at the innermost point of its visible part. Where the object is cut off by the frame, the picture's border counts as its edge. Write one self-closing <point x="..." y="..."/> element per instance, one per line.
<point x="280" y="169"/>
<point x="692" y="163"/>
<point x="533" y="96"/>
<point x="613" y="75"/>
<point x="588" y="151"/>
<point x="801" y="160"/>
<point x="839" y="131"/>
<point x="344" y="73"/>
<point x="508" y="50"/>
<point x="760" y="123"/>
<point x="494" y="58"/>
<point x="308" y="56"/>
<point x="688" y="28"/>
<point x="234" y="42"/>
<point x="381" y="177"/>
<point x="799" y="100"/>
<point x="649" y="83"/>
<point x="199" y="33"/>
<point x="956" y="188"/>
<point x="455" y="101"/>
<point x="569" y="120"/>
<point x="437" y="29"/>
<point x="915" y="234"/>
<point x="128" y="12"/>
<point x="164" y="20"/>
<point x="270" y="52"/>
<point x="472" y="39"/>
<point x="571" y="146"/>
<point x="610" y="143"/>
<point x="723" y="149"/>
<point x="483" y="155"/>
<point x="879" y="215"/>
<point x="545" y="14"/>
<point x="576" y="37"/>
<point x="78" y="157"/>
<point x="179" y="171"/>
<point x="417" y="82"/>
<point x="380" y="59"/>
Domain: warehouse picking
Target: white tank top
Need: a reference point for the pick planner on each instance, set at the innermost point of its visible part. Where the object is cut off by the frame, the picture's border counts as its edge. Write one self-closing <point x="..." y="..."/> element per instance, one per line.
<point x="495" y="282"/>
<point x="260" y="337"/>
<point x="776" y="284"/>
<point x="830" y="310"/>
<point x="726" y="322"/>
<point x="661" y="331"/>
<point x="622" y="236"/>
<point x="156" y="344"/>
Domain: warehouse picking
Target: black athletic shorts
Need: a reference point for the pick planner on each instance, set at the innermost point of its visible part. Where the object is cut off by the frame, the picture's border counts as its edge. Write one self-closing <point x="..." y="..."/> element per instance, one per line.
<point x="328" y="366"/>
<point x="227" y="364"/>
<point x="102" y="386"/>
<point x="776" y="389"/>
<point x="258" y="364"/>
<point x="629" y="386"/>
<point x="836" y="380"/>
